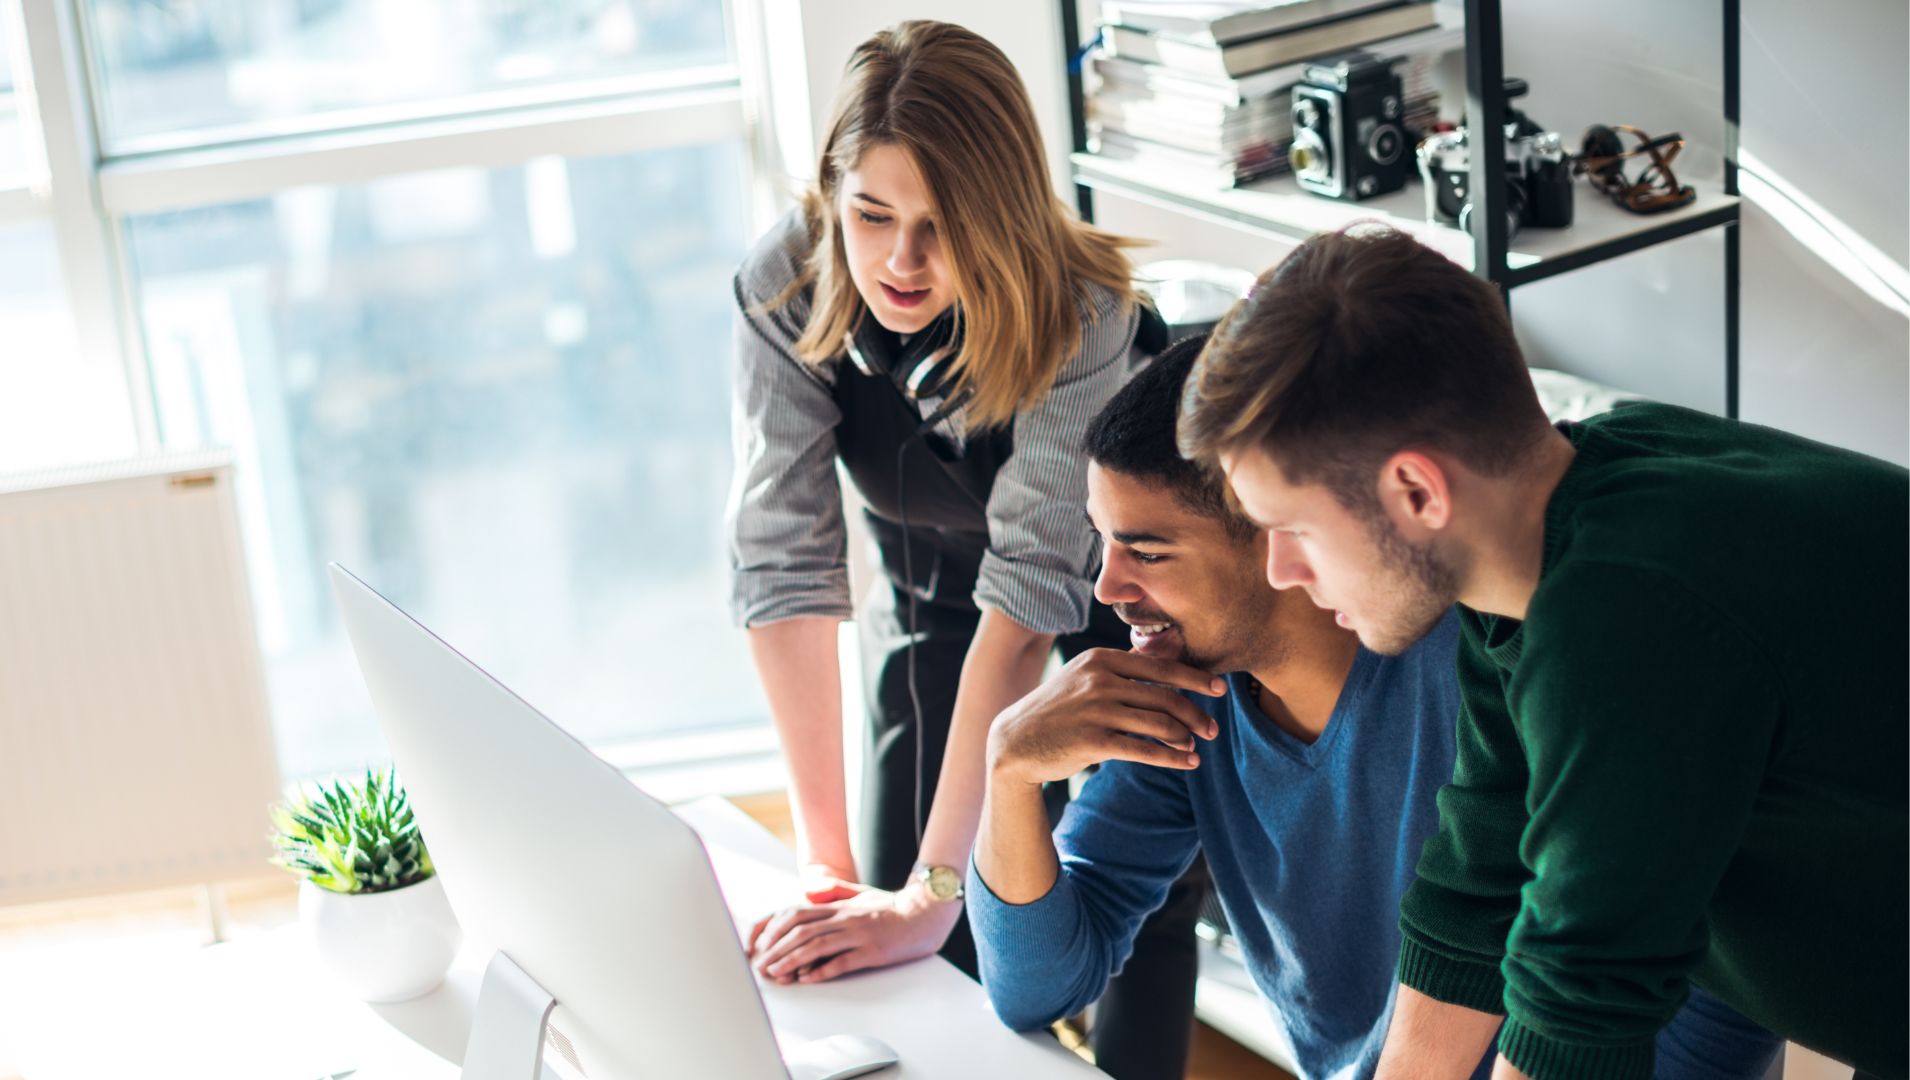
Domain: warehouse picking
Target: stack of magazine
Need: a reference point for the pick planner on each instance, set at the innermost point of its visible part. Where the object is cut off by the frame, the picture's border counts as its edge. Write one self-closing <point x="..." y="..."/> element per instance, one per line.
<point x="1202" y="86"/>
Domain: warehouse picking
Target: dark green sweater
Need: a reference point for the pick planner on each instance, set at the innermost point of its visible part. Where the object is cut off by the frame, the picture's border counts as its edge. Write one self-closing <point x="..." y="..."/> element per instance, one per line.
<point x="1689" y="761"/>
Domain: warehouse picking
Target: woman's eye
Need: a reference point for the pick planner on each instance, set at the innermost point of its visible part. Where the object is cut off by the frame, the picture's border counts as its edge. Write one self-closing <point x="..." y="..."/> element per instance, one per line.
<point x="871" y="219"/>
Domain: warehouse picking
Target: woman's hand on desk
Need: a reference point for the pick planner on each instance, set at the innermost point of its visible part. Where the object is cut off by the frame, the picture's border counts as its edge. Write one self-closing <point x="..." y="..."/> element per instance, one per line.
<point x="824" y="884"/>
<point x="874" y="928"/>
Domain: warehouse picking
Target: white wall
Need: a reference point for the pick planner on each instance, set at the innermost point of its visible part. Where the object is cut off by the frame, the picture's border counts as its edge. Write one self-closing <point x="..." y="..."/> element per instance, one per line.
<point x="1826" y="103"/>
<point x="1028" y="31"/>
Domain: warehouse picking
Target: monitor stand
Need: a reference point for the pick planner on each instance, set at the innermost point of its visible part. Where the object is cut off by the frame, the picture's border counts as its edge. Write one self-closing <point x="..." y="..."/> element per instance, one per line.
<point x="507" y="1034"/>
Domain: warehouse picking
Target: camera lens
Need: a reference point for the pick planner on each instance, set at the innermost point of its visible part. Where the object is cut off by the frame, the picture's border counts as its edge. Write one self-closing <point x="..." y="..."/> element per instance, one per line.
<point x="1385" y="145"/>
<point x="1308" y="155"/>
<point x="1514" y="215"/>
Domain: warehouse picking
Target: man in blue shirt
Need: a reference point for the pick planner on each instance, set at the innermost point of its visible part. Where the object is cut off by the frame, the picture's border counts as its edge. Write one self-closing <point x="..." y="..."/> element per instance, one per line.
<point x="1306" y="776"/>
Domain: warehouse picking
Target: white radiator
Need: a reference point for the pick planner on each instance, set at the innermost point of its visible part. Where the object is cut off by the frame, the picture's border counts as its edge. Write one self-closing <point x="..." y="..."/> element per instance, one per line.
<point x="135" y="746"/>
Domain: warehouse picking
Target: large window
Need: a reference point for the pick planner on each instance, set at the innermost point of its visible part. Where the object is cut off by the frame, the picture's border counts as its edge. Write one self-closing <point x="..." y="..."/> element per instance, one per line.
<point x="12" y="140"/>
<point x="450" y="278"/>
<point x="499" y="396"/>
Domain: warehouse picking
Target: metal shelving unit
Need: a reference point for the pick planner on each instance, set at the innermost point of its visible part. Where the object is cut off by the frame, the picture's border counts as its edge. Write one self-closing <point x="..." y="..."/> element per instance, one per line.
<point x="1600" y="231"/>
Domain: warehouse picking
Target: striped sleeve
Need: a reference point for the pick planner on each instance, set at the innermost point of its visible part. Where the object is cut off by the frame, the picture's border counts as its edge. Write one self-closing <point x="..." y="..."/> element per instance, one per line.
<point x="1039" y="567"/>
<point x="784" y="522"/>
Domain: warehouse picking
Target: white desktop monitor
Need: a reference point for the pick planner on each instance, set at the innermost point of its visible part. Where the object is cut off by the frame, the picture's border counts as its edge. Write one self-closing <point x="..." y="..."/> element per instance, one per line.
<point x="596" y="893"/>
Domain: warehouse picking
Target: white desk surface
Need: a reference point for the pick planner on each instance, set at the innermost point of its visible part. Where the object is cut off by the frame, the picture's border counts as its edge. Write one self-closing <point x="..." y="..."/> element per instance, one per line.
<point x="262" y="1009"/>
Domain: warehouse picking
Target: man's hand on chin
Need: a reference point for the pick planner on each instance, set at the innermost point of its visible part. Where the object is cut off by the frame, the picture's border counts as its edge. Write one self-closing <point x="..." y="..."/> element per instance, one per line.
<point x="1105" y="705"/>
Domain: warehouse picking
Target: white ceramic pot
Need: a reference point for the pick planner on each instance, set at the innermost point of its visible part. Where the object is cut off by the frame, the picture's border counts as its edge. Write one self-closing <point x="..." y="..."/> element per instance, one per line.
<point x="384" y="946"/>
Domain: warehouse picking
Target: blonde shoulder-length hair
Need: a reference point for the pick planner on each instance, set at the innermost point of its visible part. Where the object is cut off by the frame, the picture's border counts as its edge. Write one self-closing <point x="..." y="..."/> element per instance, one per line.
<point x="1021" y="262"/>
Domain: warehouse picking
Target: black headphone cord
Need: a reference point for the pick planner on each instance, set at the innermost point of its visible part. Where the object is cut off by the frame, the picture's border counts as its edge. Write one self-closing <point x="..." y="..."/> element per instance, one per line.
<point x="908" y="585"/>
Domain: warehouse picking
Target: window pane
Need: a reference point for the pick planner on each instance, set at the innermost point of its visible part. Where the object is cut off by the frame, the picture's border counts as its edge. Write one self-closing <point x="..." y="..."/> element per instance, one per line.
<point x="55" y="409"/>
<point x="501" y="398"/>
<point x="187" y="65"/>
<point x="12" y="147"/>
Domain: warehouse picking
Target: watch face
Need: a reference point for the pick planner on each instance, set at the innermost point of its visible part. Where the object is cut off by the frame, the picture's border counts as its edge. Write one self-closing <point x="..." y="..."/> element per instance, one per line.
<point x="943" y="883"/>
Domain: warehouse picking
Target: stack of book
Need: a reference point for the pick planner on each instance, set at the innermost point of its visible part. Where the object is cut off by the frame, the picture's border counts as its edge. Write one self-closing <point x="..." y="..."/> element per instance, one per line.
<point x="1203" y="86"/>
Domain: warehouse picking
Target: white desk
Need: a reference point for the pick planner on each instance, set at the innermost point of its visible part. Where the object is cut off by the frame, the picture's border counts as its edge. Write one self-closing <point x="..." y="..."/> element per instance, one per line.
<point x="261" y="1009"/>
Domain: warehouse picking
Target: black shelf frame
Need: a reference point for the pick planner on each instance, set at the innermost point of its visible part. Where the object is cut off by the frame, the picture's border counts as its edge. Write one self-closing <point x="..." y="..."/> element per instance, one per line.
<point x="1485" y="111"/>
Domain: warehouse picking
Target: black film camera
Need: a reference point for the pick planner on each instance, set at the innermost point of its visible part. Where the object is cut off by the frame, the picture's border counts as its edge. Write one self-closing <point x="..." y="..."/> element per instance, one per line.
<point x="1349" y="141"/>
<point x="1538" y="173"/>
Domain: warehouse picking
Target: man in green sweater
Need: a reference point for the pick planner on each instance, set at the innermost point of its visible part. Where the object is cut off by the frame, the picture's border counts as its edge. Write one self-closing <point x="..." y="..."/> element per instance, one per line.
<point x="1682" y="744"/>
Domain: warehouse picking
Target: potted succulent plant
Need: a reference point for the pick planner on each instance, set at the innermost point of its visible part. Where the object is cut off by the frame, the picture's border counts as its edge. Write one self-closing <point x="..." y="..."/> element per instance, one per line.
<point x="370" y="897"/>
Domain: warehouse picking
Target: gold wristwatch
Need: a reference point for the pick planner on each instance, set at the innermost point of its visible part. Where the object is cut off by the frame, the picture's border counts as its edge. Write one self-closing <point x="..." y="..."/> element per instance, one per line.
<point x="940" y="882"/>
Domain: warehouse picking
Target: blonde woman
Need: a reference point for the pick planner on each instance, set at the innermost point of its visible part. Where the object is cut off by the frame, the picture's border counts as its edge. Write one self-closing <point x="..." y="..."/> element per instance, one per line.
<point x="934" y="320"/>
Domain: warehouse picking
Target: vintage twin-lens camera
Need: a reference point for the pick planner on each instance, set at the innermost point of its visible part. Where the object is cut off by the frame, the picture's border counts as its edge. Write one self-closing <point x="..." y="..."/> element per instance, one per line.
<point x="1538" y="174"/>
<point x="1349" y="139"/>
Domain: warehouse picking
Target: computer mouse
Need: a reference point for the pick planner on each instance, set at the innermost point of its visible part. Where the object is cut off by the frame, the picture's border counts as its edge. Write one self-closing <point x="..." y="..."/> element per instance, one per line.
<point x="838" y="1057"/>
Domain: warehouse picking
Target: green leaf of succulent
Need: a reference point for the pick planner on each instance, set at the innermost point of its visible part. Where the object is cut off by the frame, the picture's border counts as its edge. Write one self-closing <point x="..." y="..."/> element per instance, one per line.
<point x="351" y="836"/>
<point x="308" y="824"/>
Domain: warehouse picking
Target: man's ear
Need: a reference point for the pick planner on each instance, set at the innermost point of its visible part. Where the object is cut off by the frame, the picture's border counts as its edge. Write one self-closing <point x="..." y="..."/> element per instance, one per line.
<point x="1416" y="492"/>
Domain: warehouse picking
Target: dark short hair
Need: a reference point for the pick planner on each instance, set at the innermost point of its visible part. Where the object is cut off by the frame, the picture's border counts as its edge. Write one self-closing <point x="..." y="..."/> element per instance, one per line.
<point x="1358" y="345"/>
<point x="1134" y="435"/>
